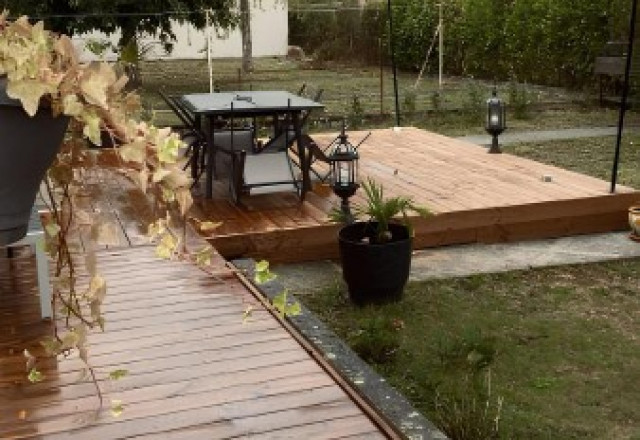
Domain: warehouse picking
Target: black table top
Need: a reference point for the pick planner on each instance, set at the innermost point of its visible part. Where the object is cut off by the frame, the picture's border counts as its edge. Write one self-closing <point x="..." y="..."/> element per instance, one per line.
<point x="247" y="103"/>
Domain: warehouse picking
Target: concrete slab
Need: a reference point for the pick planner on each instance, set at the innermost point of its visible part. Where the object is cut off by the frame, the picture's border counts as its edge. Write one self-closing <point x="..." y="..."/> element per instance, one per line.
<point x="457" y="261"/>
<point x="543" y="136"/>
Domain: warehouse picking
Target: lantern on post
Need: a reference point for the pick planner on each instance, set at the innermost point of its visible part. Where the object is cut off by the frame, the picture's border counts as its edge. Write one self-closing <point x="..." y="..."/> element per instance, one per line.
<point x="344" y="171"/>
<point x="496" y="121"/>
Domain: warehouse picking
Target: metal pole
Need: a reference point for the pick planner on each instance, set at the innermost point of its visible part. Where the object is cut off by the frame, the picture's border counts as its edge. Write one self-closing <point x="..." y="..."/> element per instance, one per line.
<point x="393" y="63"/>
<point x="625" y="95"/>
<point x="209" y="42"/>
<point x="440" y="47"/>
<point x="381" y="77"/>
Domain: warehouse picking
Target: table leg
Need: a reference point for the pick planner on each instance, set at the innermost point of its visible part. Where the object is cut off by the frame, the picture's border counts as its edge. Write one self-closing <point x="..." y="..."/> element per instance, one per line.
<point x="302" y="155"/>
<point x="210" y="160"/>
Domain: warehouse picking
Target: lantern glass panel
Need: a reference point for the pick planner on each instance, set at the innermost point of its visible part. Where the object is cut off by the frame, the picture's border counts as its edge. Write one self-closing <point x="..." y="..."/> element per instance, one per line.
<point x="495" y="114"/>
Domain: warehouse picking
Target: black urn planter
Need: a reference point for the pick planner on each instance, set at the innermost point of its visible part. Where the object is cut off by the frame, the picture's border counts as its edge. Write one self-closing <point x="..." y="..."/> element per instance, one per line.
<point x="374" y="272"/>
<point x="28" y="146"/>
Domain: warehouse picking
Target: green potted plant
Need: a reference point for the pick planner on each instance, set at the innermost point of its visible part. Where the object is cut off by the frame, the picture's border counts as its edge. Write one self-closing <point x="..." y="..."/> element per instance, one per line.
<point x="50" y="104"/>
<point x="376" y="253"/>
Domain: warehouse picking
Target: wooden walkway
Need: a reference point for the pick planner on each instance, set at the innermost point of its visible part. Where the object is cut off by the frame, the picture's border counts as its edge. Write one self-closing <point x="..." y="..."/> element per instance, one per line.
<point x="478" y="198"/>
<point x="196" y="371"/>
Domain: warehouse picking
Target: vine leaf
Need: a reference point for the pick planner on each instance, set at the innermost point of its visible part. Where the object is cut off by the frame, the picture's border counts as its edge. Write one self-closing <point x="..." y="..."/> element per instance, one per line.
<point x="209" y="226"/>
<point x="116" y="408"/>
<point x="35" y="376"/>
<point x="280" y="303"/>
<point x="31" y="359"/>
<point x="29" y="93"/>
<point x="52" y="229"/>
<point x="204" y="255"/>
<point x="167" y="246"/>
<point x="133" y="152"/>
<point x="92" y="128"/>
<point x="262" y="273"/>
<point x="94" y="88"/>
<point x="246" y="315"/>
<point x="118" y="374"/>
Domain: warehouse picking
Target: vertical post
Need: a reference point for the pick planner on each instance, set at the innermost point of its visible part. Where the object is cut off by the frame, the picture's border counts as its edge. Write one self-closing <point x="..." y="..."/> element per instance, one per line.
<point x="381" y="77"/>
<point x="625" y="95"/>
<point x="393" y="62"/>
<point x="440" y="47"/>
<point x="209" y="41"/>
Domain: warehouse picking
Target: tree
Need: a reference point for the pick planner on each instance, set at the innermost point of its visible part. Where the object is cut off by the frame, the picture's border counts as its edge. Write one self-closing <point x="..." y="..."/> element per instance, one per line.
<point x="131" y="17"/>
<point x="245" y="30"/>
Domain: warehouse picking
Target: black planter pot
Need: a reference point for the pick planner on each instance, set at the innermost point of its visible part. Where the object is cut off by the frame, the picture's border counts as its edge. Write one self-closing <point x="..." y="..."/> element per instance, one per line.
<point x="374" y="273"/>
<point x="28" y="146"/>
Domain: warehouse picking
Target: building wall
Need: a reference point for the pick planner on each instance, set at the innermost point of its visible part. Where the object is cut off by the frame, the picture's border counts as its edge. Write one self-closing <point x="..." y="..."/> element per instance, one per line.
<point x="269" y="30"/>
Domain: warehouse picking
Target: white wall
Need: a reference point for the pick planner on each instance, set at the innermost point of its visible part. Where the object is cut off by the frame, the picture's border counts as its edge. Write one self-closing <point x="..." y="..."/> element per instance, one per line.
<point x="269" y="30"/>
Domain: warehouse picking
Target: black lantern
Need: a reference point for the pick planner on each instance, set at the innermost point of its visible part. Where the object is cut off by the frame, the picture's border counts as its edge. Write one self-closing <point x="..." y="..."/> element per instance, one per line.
<point x="496" y="120"/>
<point x="344" y="171"/>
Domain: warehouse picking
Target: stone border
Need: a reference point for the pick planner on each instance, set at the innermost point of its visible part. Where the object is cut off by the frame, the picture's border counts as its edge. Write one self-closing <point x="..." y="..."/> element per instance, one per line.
<point x="393" y="405"/>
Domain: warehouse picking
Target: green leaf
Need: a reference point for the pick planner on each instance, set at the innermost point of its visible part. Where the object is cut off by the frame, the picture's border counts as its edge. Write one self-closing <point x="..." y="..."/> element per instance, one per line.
<point x="71" y="105"/>
<point x="94" y="88"/>
<point x="29" y="93"/>
<point x="262" y="266"/>
<point x="118" y="374"/>
<point x="92" y="128"/>
<point x="204" y="255"/>
<point x="133" y="152"/>
<point x="184" y="199"/>
<point x="51" y="346"/>
<point x="35" y="376"/>
<point x="168" y="148"/>
<point x="166" y="247"/>
<point x="294" y="309"/>
<point x="116" y="408"/>
<point x="246" y="315"/>
<point x="208" y="226"/>
<point x="262" y="273"/>
<point x="52" y="229"/>
<point x="280" y="303"/>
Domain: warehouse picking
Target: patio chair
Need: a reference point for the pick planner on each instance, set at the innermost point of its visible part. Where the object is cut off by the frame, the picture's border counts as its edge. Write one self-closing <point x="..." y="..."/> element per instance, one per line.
<point x="285" y="137"/>
<point x="252" y="171"/>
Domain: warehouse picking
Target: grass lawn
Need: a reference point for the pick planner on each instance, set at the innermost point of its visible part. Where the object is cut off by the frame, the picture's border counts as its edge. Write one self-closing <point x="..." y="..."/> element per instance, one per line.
<point x="591" y="156"/>
<point x="563" y="108"/>
<point x="560" y="345"/>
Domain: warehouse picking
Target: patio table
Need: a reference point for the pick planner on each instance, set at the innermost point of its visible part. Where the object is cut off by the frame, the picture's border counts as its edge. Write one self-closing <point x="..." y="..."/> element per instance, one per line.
<point x="249" y="104"/>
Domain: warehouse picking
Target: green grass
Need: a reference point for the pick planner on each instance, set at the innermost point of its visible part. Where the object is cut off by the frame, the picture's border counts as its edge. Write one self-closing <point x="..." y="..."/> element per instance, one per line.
<point x="590" y="156"/>
<point x="560" y="343"/>
<point x="459" y="109"/>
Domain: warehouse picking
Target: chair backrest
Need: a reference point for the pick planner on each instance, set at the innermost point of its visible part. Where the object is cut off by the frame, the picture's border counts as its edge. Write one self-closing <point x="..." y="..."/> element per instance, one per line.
<point x="316" y="98"/>
<point x="234" y="140"/>
<point x="182" y="113"/>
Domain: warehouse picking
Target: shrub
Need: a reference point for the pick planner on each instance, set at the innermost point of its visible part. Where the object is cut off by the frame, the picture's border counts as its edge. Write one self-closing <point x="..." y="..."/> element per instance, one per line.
<point x="377" y="339"/>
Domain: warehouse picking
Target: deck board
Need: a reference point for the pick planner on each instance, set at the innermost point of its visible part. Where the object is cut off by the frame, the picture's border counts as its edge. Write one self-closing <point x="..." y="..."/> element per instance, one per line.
<point x="478" y="197"/>
<point x="196" y="368"/>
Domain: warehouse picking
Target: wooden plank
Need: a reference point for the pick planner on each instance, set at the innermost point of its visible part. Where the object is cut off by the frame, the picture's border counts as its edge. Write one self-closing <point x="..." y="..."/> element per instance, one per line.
<point x="192" y="362"/>
<point x="133" y="392"/>
<point x="180" y="412"/>
<point x="479" y="197"/>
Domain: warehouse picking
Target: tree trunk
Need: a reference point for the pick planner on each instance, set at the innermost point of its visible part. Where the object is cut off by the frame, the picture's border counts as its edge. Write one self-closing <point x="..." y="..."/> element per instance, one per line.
<point x="245" y="29"/>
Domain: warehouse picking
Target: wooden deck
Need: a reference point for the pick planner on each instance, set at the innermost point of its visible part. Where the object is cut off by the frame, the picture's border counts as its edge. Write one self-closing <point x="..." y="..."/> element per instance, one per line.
<point x="196" y="371"/>
<point x="478" y="198"/>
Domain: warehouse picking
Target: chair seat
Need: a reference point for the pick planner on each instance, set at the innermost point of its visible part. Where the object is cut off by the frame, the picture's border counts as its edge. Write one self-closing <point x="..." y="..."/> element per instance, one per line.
<point x="268" y="172"/>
